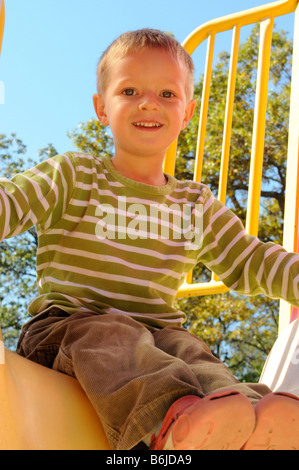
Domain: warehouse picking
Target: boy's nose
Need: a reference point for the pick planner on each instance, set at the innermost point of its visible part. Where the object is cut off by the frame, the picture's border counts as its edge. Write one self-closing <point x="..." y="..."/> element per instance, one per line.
<point x="149" y="102"/>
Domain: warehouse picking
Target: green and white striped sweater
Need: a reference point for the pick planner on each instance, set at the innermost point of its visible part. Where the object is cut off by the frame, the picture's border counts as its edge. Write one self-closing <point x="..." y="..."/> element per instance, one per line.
<point x="108" y="244"/>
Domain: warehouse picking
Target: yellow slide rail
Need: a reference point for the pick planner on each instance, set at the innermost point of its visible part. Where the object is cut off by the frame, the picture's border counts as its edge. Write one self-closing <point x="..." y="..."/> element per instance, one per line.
<point x="265" y="16"/>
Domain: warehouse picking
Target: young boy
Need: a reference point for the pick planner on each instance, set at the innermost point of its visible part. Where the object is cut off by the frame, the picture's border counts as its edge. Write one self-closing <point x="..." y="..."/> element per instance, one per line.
<point x="116" y="239"/>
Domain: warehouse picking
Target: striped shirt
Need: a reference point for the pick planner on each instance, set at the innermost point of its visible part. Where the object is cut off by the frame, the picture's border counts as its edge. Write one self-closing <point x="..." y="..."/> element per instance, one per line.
<point x="109" y="244"/>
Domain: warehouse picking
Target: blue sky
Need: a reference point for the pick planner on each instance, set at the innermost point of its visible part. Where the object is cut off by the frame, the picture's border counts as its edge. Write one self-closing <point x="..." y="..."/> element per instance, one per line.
<point x="51" y="48"/>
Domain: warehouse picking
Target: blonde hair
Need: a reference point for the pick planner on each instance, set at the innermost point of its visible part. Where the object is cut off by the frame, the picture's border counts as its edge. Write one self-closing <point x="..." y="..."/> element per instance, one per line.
<point x="134" y="41"/>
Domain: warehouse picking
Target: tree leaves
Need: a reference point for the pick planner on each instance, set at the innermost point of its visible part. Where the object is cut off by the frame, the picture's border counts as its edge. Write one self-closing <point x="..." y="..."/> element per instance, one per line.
<point x="17" y="255"/>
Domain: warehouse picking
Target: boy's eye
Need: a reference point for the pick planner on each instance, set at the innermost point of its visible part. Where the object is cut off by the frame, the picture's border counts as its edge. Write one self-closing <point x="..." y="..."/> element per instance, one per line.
<point x="167" y="94"/>
<point x="129" y="92"/>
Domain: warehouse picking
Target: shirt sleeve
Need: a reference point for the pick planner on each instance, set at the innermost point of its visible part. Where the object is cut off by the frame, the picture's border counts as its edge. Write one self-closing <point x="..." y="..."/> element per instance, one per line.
<point x="241" y="261"/>
<point x="36" y="197"/>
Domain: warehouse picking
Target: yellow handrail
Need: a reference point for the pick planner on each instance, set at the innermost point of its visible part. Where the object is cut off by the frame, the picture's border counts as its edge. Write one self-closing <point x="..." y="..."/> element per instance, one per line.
<point x="291" y="217"/>
<point x="264" y="15"/>
<point x="256" y="161"/>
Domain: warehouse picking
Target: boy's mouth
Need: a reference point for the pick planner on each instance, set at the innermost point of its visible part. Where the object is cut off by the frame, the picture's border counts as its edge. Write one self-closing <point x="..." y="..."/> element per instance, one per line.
<point x="147" y="125"/>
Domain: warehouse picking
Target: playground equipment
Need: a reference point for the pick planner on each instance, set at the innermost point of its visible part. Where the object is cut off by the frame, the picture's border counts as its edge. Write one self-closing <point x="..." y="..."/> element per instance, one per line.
<point x="265" y="16"/>
<point x="280" y="371"/>
<point x="43" y="409"/>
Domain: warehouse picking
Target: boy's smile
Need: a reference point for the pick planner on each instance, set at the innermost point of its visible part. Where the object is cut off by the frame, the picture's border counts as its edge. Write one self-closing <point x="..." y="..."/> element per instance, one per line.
<point x="145" y="105"/>
<point x="147" y="125"/>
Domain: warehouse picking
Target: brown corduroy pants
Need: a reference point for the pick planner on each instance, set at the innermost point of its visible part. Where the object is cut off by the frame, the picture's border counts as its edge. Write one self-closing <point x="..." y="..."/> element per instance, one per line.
<point x="130" y="374"/>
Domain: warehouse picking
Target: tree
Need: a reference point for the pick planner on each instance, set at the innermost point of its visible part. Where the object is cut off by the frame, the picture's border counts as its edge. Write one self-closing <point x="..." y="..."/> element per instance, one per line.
<point x="17" y="255"/>
<point x="92" y="137"/>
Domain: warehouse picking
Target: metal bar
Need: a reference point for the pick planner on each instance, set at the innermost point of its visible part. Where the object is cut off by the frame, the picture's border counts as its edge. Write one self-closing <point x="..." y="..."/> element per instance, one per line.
<point x="204" y="107"/>
<point x="203" y="119"/>
<point x="204" y="288"/>
<point x="229" y="114"/>
<point x="226" y="23"/>
<point x="242" y="18"/>
<point x="169" y="160"/>
<point x="291" y="213"/>
<point x="228" y="120"/>
<point x="256" y="161"/>
<point x="266" y="15"/>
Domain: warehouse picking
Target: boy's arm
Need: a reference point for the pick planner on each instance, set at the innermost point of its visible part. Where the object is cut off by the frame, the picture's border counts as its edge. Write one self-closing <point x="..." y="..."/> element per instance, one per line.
<point x="242" y="262"/>
<point x="36" y="197"/>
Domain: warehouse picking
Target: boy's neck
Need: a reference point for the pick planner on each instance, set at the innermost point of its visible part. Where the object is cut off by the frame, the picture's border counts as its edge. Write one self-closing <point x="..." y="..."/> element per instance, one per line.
<point x="148" y="172"/>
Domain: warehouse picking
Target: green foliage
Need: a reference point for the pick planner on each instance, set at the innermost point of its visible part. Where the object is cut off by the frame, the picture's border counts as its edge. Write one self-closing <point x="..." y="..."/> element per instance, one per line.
<point x="17" y="255"/>
<point x="92" y="137"/>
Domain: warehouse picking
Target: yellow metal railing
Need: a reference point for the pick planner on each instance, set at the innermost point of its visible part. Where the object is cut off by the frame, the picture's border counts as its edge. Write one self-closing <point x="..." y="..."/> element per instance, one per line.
<point x="265" y="16"/>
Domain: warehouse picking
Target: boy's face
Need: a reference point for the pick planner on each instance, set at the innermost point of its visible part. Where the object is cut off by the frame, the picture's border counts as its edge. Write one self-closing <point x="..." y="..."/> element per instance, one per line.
<point x="145" y="103"/>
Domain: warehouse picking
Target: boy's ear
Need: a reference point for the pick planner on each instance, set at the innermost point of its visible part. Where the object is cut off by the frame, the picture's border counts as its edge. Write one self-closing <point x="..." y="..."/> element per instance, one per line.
<point x="190" y="108"/>
<point x="99" y="107"/>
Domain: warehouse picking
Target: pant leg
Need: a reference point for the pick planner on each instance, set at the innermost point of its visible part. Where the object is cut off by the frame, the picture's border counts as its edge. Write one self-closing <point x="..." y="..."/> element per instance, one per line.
<point x="130" y="375"/>
<point x="130" y="382"/>
<point x="210" y="372"/>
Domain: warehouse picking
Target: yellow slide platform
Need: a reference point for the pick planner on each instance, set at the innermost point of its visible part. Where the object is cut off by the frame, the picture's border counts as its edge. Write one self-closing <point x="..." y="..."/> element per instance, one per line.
<point x="42" y="409"/>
